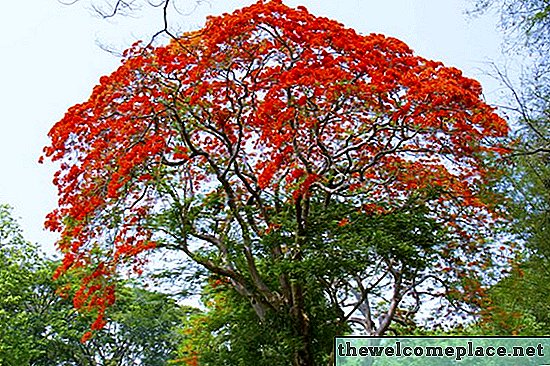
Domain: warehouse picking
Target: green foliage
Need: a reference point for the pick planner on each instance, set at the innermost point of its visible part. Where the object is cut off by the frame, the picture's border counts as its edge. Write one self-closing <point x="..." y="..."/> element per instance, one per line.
<point x="17" y="267"/>
<point x="40" y="328"/>
<point x="531" y="207"/>
<point x="520" y="303"/>
<point x="228" y="332"/>
<point x="407" y="236"/>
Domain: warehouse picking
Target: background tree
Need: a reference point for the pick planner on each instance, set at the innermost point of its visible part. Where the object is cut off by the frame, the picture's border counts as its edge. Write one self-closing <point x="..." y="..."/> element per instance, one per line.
<point x="39" y="328"/>
<point x="143" y="328"/>
<point x="330" y="178"/>
<point x="16" y="265"/>
<point x="520" y="302"/>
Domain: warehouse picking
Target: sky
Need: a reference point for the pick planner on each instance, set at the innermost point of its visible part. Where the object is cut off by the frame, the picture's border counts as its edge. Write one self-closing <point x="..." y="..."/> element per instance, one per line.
<point x="50" y="59"/>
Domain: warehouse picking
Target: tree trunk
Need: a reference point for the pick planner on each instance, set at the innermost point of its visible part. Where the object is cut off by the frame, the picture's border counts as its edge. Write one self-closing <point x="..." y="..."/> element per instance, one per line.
<point x="303" y="356"/>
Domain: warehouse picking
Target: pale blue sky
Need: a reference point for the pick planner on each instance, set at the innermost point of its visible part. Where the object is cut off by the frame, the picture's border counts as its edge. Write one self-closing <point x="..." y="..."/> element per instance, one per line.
<point x="50" y="61"/>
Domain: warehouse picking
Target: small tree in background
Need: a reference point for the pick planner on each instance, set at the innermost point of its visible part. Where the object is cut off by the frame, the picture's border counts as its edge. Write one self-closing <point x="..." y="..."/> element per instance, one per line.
<point x="40" y="328"/>
<point x="520" y="302"/>
<point x="331" y="180"/>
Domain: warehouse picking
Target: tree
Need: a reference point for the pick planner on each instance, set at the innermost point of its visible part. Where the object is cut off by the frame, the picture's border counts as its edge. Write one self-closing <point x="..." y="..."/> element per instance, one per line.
<point x="330" y="178"/>
<point x="40" y="328"/>
<point x="526" y="25"/>
<point x="525" y="22"/>
<point x="519" y="302"/>
<point x="16" y="264"/>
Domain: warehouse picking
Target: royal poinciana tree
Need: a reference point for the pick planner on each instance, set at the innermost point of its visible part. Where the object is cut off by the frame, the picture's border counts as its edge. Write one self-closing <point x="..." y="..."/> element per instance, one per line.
<point x="329" y="178"/>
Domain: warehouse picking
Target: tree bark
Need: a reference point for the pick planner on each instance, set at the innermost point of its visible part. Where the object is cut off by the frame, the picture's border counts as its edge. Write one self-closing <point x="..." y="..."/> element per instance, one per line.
<point x="304" y="355"/>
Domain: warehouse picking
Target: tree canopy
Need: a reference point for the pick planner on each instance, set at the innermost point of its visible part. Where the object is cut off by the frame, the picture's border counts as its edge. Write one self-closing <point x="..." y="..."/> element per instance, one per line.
<point x="332" y="179"/>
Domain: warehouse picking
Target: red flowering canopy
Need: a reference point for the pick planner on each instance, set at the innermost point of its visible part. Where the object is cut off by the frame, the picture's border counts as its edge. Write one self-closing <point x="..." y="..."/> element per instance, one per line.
<point x="266" y="107"/>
